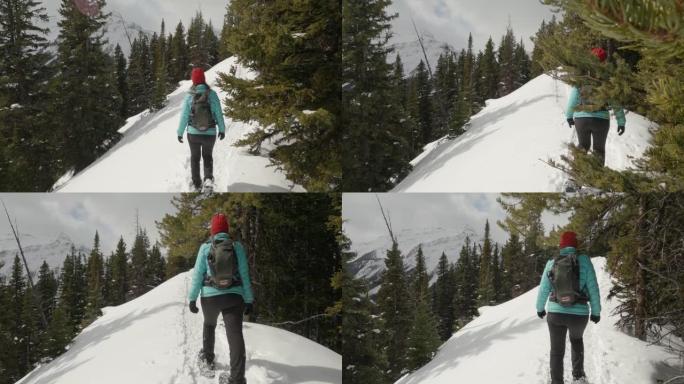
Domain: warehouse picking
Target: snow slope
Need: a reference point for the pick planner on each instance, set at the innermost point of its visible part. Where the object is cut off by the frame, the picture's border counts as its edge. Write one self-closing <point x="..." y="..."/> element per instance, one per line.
<point x="149" y="158"/>
<point x="370" y="260"/>
<point x="506" y="141"/>
<point x="38" y="249"/>
<point x="509" y="344"/>
<point x="156" y="339"/>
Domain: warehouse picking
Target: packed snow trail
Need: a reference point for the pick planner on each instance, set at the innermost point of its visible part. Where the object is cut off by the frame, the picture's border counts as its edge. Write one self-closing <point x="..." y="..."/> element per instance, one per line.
<point x="150" y="159"/>
<point x="508" y="343"/>
<point x="503" y="149"/>
<point x="156" y="339"/>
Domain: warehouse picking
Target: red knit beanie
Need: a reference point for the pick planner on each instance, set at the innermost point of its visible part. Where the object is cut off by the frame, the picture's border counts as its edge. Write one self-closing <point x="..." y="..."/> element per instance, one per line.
<point x="219" y="224"/>
<point x="197" y="76"/>
<point x="600" y="53"/>
<point x="568" y="239"/>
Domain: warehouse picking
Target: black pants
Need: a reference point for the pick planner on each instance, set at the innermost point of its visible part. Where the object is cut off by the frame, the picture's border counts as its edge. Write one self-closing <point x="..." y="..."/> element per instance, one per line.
<point x="231" y="306"/>
<point x="559" y="325"/>
<point x="593" y="129"/>
<point x="201" y="145"/>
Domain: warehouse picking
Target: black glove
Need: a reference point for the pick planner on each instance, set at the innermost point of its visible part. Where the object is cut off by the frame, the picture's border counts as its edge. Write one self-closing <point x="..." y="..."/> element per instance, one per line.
<point x="193" y="307"/>
<point x="571" y="122"/>
<point x="541" y="314"/>
<point x="621" y="130"/>
<point x="222" y="135"/>
<point x="595" y="318"/>
<point x="180" y="139"/>
<point x="249" y="307"/>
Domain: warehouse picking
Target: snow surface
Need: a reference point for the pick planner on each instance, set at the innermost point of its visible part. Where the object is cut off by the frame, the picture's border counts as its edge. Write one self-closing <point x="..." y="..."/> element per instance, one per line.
<point x="508" y="343"/>
<point x="503" y="149"/>
<point x="156" y="339"/>
<point x="370" y="260"/>
<point x="149" y="158"/>
<point x="37" y="249"/>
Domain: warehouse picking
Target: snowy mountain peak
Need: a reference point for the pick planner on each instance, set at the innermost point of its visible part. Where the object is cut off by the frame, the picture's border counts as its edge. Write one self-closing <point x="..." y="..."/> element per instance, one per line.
<point x="37" y="249"/>
<point x="526" y="128"/>
<point x="411" y="52"/>
<point x="370" y="260"/>
<point x="156" y="339"/>
<point x="511" y="335"/>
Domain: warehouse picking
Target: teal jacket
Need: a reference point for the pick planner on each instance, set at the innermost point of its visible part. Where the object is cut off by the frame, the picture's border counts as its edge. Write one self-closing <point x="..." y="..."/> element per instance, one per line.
<point x="588" y="284"/>
<point x="216" y="111"/>
<point x="574" y="101"/>
<point x="202" y="269"/>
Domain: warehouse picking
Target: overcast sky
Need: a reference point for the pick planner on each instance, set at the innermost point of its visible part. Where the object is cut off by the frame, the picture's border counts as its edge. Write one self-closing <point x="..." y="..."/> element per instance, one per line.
<point x="80" y="215"/>
<point x="363" y="220"/>
<point x="149" y="13"/>
<point x="450" y="21"/>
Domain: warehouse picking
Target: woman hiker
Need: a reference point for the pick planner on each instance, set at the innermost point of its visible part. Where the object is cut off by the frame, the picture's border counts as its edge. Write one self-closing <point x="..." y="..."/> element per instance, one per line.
<point x="200" y="115"/>
<point x="569" y="285"/>
<point x="592" y="120"/>
<point x="221" y="278"/>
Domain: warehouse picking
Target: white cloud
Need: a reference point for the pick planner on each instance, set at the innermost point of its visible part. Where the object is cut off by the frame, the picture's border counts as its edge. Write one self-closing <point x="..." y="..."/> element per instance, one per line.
<point x="80" y="215"/>
<point x="451" y="20"/>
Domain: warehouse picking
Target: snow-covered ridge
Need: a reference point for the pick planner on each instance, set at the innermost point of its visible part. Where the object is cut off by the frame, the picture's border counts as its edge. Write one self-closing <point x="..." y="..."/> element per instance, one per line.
<point x="508" y="141"/>
<point x="508" y="343"/>
<point x="370" y="260"/>
<point x="156" y="339"/>
<point x="150" y="159"/>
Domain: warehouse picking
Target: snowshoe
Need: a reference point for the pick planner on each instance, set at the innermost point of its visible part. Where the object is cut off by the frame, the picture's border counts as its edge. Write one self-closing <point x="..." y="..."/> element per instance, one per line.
<point x="208" y="186"/>
<point x="205" y="367"/>
<point x="224" y="378"/>
<point x="581" y="380"/>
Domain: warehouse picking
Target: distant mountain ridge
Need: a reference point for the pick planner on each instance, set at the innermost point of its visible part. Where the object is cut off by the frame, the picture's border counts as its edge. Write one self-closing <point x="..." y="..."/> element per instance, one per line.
<point x="38" y="249"/>
<point x="369" y="262"/>
<point x="411" y="53"/>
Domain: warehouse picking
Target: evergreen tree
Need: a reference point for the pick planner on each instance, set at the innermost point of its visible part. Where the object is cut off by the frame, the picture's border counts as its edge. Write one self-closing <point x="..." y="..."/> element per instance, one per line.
<point x="140" y="75"/>
<point x="26" y="152"/>
<point x="396" y="313"/>
<point x="16" y="290"/>
<point x="507" y="66"/>
<point x="486" y="293"/>
<point x="87" y="105"/>
<point x="363" y="360"/>
<point x="423" y="339"/>
<point x="495" y="269"/>
<point x="160" y="68"/>
<point x="197" y="43"/>
<point x="121" y="74"/>
<point x="489" y="72"/>
<point x="30" y="335"/>
<point x="211" y="42"/>
<point x="223" y="50"/>
<point x="513" y="267"/>
<point x="444" y="298"/>
<point x="138" y="267"/>
<point x="58" y="334"/>
<point x="446" y="92"/>
<point x="424" y="107"/>
<point x="522" y="65"/>
<point x="46" y="288"/>
<point x="120" y="276"/>
<point x="536" y="67"/>
<point x="296" y="57"/>
<point x="72" y="296"/>
<point x="156" y="267"/>
<point x="95" y="282"/>
<point x="179" y="64"/>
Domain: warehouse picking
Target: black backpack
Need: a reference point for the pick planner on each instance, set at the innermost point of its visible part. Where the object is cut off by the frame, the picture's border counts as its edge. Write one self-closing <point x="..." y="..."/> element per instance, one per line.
<point x="201" y="117"/>
<point x="223" y="265"/>
<point x="564" y="277"/>
<point x="587" y="100"/>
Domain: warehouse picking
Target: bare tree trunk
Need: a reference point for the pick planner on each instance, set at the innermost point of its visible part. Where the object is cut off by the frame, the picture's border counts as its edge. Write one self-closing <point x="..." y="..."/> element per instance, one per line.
<point x="640" y="278"/>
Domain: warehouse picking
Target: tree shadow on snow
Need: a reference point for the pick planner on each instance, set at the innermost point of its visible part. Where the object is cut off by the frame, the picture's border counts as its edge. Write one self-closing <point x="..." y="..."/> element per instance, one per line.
<point x="289" y="374"/>
<point x="56" y="368"/>
<point x="464" y="143"/>
<point x="477" y="340"/>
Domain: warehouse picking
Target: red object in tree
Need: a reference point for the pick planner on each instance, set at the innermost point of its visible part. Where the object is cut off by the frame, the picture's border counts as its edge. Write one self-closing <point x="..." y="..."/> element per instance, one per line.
<point x="600" y="53"/>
